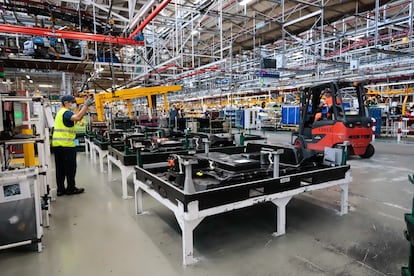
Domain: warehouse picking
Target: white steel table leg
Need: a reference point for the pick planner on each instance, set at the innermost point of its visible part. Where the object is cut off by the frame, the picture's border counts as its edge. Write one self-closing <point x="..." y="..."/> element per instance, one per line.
<point x="101" y="157"/>
<point x="188" y="224"/>
<point x="138" y="197"/>
<point x="109" y="168"/>
<point x="124" y="179"/>
<point x="86" y="146"/>
<point x="281" y="215"/>
<point x="344" y="199"/>
<point x="100" y="161"/>
<point x="125" y="172"/>
<point x="93" y="152"/>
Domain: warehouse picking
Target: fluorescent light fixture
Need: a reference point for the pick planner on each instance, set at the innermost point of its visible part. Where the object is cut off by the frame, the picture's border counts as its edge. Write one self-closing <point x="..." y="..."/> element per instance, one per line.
<point x="28" y="77"/>
<point x="245" y="2"/>
<point x="45" y="85"/>
<point x="356" y="38"/>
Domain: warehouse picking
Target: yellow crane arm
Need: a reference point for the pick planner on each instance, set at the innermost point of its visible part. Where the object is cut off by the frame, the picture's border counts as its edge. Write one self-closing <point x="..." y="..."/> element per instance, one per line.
<point x="132" y="93"/>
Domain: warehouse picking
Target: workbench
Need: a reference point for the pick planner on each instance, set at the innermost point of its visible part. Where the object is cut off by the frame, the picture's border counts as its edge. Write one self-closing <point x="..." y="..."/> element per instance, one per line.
<point x="126" y="162"/>
<point x="191" y="209"/>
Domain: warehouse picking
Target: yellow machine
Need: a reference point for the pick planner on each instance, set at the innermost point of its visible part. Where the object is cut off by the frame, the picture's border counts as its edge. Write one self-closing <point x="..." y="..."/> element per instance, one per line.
<point x="132" y="93"/>
<point x="402" y="89"/>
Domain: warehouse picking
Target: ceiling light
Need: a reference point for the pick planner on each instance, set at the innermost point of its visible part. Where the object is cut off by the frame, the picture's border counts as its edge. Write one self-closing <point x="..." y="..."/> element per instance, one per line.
<point x="356" y="38"/>
<point x="45" y="85"/>
<point x="31" y="81"/>
<point x="245" y="2"/>
<point x="28" y="77"/>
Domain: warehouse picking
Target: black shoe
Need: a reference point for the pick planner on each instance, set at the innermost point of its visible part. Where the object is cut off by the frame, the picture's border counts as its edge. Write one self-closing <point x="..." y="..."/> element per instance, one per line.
<point x="75" y="191"/>
<point x="60" y="193"/>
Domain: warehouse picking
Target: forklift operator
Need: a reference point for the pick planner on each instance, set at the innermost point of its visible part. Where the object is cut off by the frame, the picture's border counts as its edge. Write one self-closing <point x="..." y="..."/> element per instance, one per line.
<point x="325" y="105"/>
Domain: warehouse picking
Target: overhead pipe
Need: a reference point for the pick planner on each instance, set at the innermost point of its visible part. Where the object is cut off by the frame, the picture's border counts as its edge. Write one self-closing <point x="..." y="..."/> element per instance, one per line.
<point x="161" y="69"/>
<point x="7" y="28"/>
<point x="149" y="18"/>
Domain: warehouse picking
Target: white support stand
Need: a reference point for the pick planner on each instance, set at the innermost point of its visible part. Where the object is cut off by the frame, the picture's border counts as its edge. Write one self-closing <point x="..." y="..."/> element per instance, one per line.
<point x="281" y="215"/>
<point x="399" y="132"/>
<point x="189" y="220"/>
<point x="88" y="147"/>
<point x="344" y="198"/>
<point x="405" y="129"/>
<point x="101" y="155"/>
<point x="126" y="171"/>
<point x="93" y="152"/>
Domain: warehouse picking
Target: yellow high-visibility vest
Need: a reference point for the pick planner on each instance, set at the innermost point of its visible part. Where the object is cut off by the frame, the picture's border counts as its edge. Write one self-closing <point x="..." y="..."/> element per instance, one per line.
<point x="63" y="136"/>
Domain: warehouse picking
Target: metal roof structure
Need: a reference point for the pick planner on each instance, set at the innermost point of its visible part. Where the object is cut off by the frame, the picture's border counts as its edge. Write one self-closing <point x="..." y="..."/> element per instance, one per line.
<point x="192" y="42"/>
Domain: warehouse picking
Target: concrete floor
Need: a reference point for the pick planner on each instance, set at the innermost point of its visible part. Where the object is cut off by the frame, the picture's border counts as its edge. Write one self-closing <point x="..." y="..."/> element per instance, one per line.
<point x="97" y="233"/>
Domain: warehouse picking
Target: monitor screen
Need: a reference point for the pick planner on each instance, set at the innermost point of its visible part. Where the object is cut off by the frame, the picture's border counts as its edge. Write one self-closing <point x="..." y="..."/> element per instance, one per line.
<point x="18" y="114"/>
<point x="268" y="63"/>
<point x="11" y="190"/>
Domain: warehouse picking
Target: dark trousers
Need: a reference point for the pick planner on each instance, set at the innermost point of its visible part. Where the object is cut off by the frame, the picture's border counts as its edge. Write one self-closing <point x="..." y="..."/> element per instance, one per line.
<point x="65" y="165"/>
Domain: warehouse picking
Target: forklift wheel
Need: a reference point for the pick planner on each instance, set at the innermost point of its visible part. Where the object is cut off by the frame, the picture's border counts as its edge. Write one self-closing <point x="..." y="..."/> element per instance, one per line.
<point x="300" y="142"/>
<point x="368" y="152"/>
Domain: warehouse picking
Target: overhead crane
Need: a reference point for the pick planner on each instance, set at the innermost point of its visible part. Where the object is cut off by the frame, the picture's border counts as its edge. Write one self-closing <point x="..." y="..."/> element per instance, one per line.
<point x="132" y="93"/>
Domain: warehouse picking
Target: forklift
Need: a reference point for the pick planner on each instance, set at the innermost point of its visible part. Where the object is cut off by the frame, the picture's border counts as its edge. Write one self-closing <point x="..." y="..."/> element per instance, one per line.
<point x="344" y="121"/>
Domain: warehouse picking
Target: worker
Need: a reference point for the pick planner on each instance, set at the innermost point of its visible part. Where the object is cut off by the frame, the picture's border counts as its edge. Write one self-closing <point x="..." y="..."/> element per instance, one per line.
<point x="63" y="142"/>
<point x="52" y="44"/>
<point x="119" y="113"/>
<point x="324" y="105"/>
<point x="175" y="114"/>
<point x="260" y="115"/>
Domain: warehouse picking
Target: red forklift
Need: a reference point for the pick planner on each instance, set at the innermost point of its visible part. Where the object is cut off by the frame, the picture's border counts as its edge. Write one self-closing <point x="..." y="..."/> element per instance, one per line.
<point x="331" y="125"/>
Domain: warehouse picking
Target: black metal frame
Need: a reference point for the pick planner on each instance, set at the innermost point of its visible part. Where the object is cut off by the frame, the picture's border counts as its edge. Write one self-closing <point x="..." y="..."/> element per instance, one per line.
<point x="238" y="192"/>
<point x="148" y="157"/>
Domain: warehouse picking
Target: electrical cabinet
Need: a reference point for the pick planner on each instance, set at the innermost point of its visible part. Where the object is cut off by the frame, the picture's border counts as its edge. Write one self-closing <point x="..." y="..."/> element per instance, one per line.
<point x="250" y="118"/>
<point x="20" y="208"/>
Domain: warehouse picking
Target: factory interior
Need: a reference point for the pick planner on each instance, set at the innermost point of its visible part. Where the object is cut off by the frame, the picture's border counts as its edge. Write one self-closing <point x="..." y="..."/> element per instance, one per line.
<point x="206" y="137"/>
